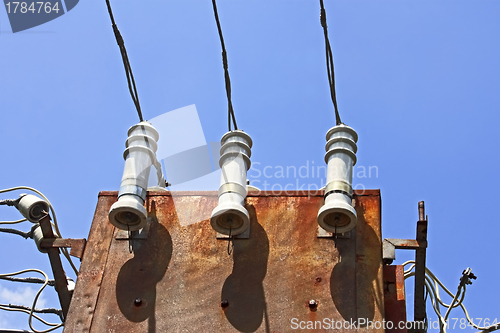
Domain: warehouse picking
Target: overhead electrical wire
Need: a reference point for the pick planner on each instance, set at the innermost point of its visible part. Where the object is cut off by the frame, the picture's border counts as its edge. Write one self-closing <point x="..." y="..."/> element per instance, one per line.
<point x="55" y="224"/>
<point x="126" y="63"/>
<point x="329" y="62"/>
<point x="13" y="222"/>
<point x="230" y="111"/>
<point x="31" y="310"/>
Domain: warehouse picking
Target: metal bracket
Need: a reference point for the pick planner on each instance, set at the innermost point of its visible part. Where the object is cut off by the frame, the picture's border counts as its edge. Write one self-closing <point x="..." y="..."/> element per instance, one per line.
<point x="322" y="233"/>
<point x="244" y="235"/>
<point x="389" y="246"/>
<point x="56" y="264"/>
<point x="77" y="245"/>
<point x="141" y="234"/>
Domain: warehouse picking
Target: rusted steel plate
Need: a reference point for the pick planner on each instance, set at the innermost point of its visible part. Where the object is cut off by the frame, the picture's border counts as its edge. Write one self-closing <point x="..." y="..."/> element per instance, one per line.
<point x="77" y="245"/>
<point x="405" y="243"/>
<point x="175" y="279"/>
<point x="84" y="300"/>
<point x="394" y="298"/>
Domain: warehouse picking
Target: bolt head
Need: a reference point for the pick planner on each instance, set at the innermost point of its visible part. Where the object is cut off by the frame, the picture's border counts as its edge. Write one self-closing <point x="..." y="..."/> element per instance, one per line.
<point x="313" y="304"/>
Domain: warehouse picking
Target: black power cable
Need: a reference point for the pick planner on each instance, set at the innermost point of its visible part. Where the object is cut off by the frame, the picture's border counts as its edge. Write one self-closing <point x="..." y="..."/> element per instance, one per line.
<point x="329" y="62"/>
<point x="23" y="234"/>
<point x="230" y="111"/>
<point x="128" y="69"/>
<point x="9" y="202"/>
<point x="28" y="280"/>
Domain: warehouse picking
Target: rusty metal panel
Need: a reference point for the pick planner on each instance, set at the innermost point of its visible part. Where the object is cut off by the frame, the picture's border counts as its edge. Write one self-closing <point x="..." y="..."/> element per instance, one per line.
<point x="175" y="279"/>
<point x="394" y="295"/>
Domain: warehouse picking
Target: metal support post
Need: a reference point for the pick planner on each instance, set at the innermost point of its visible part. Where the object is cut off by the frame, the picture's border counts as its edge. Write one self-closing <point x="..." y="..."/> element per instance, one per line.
<point x="420" y="253"/>
<point x="57" y="268"/>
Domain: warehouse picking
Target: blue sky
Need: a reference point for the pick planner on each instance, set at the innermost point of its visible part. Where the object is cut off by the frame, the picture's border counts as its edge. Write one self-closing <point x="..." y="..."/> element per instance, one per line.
<point x="418" y="80"/>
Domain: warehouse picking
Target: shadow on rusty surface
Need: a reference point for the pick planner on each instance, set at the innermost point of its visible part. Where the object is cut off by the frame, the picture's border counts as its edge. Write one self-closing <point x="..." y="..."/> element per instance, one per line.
<point x="370" y="277"/>
<point x="243" y="288"/>
<point x="344" y="282"/>
<point x="137" y="279"/>
<point x="343" y="278"/>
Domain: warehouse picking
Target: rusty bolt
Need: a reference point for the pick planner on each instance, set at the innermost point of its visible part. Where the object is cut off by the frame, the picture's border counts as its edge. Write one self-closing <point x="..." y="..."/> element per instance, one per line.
<point x="313" y="304"/>
<point x="137" y="301"/>
<point x="318" y="279"/>
<point x="224" y="303"/>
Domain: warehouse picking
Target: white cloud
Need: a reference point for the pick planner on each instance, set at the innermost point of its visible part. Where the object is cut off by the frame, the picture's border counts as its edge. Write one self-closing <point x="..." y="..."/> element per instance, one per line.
<point x="20" y="296"/>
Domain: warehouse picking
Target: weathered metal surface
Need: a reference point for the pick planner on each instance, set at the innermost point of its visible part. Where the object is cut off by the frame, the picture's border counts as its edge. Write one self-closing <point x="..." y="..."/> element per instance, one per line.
<point x="394" y="299"/>
<point x="61" y="285"/>
<point x="181" y="279"/>
<point x="77" y="245"/>
<point x="369" y="272"/>
<point x="84" y="300"/>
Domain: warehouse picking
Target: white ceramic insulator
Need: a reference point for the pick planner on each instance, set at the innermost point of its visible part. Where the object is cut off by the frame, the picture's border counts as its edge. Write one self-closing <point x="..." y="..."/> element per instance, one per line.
<point x="234" y="162"/>
<point x="337" y="214"/>
<point x="38" y="237"/>
<point x="128" y="213"/>
<point x="32" y="207"/>
<point x="139" y="154"/>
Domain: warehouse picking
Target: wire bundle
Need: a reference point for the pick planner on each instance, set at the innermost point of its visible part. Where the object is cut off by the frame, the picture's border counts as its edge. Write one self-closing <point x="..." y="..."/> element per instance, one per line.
<point x="31" y="310"/>
<point x="54" y="224"/>
<point x="45" y="281"/>
<point x="432" y="284"/>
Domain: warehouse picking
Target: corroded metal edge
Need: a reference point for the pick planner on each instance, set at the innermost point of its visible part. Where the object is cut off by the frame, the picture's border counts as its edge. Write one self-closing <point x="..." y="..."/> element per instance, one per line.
<point x="369" y="270"/>
<point x="84" y="300"/>
<point x="291" y="193"/>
